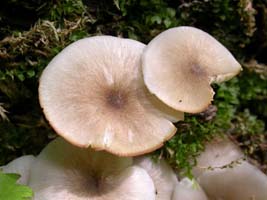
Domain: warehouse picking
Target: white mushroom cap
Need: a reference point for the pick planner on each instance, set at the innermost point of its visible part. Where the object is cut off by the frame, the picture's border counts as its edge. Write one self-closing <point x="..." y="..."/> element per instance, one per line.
<point x="224" y="175"/>
<point x="180" y="64"/>
<point x="243" y="181"/>
<point x="187" y="189"/>
<point x="63" y="171"/>
<point x="218" y="153"/>
<point x="93" y="94"/>
<point x="21" y="166"/>
<point x="162" y="175"/>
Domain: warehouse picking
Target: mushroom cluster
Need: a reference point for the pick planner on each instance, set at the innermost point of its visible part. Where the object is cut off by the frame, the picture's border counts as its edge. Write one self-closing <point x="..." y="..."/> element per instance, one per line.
<point x="113" y="94"/>
<point x="112" y="98"/>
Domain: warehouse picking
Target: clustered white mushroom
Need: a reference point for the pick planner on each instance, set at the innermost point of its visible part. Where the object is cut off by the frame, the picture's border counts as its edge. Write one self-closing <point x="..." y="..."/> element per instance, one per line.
<point x="121" y="96"/>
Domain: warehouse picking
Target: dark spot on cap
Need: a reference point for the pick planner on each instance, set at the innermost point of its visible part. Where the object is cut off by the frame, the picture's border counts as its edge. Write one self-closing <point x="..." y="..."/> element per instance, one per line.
<point x="197" y="70"/>
<point x="116" y="99"/>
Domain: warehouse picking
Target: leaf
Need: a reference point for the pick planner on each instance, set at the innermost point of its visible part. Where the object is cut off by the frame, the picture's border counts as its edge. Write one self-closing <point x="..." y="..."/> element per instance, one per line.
<point x="117" y="4"/>
<point x="156" y="19"/>
<point x="10" y="190"/>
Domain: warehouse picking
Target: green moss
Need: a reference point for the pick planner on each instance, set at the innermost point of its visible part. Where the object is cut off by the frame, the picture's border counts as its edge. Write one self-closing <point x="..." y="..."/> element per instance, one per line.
<point x="231" y="22"/>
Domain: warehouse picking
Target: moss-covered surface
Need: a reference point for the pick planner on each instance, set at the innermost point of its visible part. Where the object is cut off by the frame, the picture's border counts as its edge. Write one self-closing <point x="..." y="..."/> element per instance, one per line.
<point x="32" y="32"/>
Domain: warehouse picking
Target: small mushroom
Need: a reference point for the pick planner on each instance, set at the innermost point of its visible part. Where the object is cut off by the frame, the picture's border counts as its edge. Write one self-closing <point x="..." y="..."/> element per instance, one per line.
<point x="242" y="181"/>
<point x="93" y="94"/>
<point x="187" y="189"/>
<point x="162" y="175"/>
<point x="218" y="153"/>
<point x="226" y="176"/>
<point x="21" y="166"/>
<point x="63" y="171"/>
<point x="180" y="64"/>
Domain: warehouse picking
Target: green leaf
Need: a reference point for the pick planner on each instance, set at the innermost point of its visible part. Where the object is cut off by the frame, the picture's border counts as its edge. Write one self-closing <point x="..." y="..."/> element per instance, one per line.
<point x="117" y="4"/>
<point x="156" y="19"/>
<point x="31" y="73"/>
<point x="10" y="190"/>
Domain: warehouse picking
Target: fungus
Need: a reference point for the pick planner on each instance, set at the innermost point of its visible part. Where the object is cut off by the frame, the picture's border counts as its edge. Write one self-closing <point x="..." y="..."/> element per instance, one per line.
<point x="93" y="94"/>
<point x="162" y="175"/>
<point x="64" y="171"/>
<point x="218" y="153"/>
<point x="187" y="189"/>
<point x="225" y="176"/>
<point x="180" y="64"/>
<point x="21" y="166"/>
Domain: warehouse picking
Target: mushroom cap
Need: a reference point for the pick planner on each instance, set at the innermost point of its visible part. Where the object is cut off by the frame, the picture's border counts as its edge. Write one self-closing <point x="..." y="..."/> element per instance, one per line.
<point x="187" y="189"/>
<point x="224" y="174"/>
<point x="180" y="64"/>
<point x="218" y="153"/>
<point x="242" y="181"/>
<point x="21" y="166"/>
<point x="64" y="171"/>
<point x="93" y="94"/>
<point x="162" y="175"/>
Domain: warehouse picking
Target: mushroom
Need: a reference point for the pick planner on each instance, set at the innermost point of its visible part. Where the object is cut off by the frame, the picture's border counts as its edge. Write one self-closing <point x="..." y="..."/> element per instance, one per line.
<point x="93" y="94"/>
<point x="162" y="175"/>
<point x="63" y="171"/>
<point x="226" y="176"/>
<point x="187" y="189"/>
<point x="218" y="153"/>
<point x="21" y="166"/>
<point x="180" y="64"/>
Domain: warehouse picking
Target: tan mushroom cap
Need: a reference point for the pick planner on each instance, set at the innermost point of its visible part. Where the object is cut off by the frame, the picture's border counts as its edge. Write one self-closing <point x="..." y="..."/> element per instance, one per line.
<point x="187" y="189"/>
<point x="162" y="175"/>
<point x="180" y="64"/>
<point x="21" y="166"/>
<point x="63" y="171"/>
<point x="93" y="94"/>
